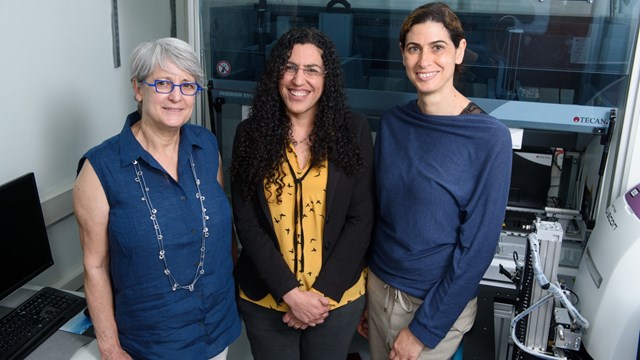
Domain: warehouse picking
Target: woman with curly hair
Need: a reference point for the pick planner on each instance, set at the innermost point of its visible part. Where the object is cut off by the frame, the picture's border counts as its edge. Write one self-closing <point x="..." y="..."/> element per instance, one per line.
<point x="303" y="201"/>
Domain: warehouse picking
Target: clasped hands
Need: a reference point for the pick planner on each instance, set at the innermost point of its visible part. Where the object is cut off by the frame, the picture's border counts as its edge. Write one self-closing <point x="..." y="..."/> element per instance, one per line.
<point x="306" y="308"/>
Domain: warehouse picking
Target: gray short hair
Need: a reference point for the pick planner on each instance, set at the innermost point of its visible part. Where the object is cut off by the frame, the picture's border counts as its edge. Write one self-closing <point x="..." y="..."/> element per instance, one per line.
<point x="149" y="55"/>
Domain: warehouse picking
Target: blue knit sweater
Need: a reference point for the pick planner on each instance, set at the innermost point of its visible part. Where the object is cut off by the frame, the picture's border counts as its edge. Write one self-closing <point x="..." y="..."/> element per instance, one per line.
<point x="443" y="183"/>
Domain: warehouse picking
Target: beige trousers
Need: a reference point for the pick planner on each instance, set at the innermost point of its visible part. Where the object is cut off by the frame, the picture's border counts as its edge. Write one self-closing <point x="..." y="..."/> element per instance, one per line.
<point x="384" y="325"/>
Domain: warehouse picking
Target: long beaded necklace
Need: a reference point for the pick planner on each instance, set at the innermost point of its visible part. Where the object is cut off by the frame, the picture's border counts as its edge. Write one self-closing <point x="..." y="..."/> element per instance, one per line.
<point x="156" y="226"/>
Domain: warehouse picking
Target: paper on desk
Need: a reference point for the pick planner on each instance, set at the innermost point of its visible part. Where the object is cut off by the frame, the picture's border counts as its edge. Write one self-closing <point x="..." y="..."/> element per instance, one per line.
<point x="77" y="324"/>
<point x="516" y="138"/>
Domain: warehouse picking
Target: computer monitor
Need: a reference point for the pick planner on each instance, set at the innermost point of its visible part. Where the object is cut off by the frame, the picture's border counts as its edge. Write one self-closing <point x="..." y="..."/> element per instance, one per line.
<point x="24" y="244"/>
<point x="530" y="179"/>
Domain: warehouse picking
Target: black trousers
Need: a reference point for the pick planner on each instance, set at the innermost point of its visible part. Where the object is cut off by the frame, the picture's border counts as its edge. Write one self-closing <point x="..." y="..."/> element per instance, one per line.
<point x="272" y="339"/>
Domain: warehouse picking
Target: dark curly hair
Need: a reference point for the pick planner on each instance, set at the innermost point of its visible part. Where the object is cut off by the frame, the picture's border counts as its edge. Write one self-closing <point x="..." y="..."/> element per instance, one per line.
<point x="260" y="152"/>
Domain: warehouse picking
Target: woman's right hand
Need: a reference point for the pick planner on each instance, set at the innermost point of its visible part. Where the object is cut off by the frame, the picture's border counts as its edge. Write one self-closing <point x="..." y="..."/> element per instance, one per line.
<point x="363" y="325"/>
<point x="293" y="322"/>
<point x="307" y="306"/>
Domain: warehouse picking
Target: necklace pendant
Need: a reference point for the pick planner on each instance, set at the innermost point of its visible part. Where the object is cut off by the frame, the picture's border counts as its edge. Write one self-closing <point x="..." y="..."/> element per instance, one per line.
<point x="174" y="287"/>
<point x="190" y="287"/>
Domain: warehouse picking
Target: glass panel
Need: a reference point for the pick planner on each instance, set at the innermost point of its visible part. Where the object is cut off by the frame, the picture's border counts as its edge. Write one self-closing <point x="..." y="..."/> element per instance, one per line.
<point x="555" y="68"/>
<point x="566" y="52"/>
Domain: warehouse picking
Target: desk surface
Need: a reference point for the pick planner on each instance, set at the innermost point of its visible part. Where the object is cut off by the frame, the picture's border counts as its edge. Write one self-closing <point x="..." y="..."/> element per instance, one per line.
<point x="62" y="344"/>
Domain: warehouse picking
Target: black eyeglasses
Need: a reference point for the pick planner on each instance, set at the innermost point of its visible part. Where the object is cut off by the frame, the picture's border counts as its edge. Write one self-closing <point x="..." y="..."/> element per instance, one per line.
<point x="166" y="87"/>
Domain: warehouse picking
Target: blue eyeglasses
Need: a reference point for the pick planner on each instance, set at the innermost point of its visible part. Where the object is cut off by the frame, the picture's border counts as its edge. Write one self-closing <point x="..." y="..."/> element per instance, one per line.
<point x="166" y="87"/>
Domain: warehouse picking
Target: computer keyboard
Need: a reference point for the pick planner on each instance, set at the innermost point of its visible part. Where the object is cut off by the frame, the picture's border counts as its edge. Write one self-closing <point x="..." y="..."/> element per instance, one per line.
<point x="35" y="320"/>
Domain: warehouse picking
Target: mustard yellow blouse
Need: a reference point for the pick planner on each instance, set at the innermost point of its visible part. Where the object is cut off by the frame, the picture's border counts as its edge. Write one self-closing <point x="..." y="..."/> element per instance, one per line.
<point x="298" y="221"/>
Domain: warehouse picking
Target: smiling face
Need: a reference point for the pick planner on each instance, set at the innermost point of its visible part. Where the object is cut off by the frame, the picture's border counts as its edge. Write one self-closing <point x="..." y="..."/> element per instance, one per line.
<point x="300" y="91"/>
<point x="430" y="57"/>
<point x="165" y="111"/>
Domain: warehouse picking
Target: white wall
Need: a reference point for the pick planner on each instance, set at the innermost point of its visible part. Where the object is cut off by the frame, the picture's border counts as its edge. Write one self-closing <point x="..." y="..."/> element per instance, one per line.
<point x="633" y="168"/>
<point x="631" y="174"/>
<point x="61" y="95"/>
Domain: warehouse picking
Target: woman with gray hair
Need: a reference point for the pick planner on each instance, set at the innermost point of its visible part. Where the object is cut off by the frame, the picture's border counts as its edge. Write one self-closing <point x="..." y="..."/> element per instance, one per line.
<point x="155" y="223"/>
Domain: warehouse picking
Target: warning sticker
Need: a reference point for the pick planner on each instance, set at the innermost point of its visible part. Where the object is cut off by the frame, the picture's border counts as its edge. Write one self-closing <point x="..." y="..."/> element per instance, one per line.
<point x="223" y="68"/>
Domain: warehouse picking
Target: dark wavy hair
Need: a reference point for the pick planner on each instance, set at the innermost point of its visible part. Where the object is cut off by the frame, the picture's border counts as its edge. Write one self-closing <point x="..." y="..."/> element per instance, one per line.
<point x="260" y="152"/>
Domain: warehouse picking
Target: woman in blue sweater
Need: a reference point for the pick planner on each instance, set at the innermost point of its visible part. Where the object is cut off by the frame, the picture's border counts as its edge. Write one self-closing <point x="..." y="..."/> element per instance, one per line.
<point x="443" y="170"/>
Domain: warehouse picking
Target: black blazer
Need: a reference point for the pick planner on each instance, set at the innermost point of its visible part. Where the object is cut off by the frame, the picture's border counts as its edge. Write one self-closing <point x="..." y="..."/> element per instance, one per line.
<point x="347" y="230"/>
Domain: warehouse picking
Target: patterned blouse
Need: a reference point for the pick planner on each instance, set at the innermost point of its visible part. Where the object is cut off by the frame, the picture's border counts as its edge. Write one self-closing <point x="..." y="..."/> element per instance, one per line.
<point x="298" y="220"/>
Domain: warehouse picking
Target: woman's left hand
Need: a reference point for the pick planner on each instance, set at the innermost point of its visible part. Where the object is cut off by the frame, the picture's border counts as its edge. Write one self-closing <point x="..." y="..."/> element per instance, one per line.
<point x="406" y="346"/>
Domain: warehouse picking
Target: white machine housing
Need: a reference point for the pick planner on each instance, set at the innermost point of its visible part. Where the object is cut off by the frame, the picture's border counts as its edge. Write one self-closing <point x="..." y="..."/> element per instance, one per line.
<point x="607" y="281"/>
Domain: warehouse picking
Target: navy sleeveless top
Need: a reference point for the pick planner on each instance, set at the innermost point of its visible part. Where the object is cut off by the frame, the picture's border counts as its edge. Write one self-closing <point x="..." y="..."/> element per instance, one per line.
<point x="153" y="320"/>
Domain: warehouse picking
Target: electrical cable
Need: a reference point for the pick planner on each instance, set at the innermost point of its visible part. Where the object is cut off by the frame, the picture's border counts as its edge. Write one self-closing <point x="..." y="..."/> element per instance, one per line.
<point x="571" y="292"/>
<point x="554" y="292"/>
<point x="519" y="317"/>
